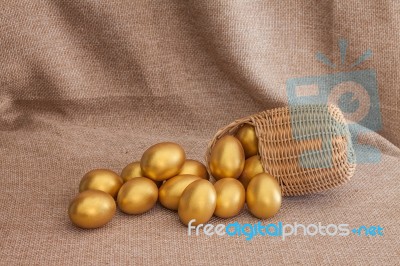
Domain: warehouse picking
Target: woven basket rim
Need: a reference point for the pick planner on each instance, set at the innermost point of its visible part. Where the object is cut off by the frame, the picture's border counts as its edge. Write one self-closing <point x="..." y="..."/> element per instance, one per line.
<point x="328" y="179"/>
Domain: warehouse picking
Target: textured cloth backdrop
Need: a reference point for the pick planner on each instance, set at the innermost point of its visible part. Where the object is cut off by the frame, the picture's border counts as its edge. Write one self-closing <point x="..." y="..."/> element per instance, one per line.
<point x="92" y="84"/>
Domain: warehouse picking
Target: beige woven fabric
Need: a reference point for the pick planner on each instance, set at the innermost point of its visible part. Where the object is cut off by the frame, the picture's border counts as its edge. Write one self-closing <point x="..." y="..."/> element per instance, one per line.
<point x="90" y="84"/>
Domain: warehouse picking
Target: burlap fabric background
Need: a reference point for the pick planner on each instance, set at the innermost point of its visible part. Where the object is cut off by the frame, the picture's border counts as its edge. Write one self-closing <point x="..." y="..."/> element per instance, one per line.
<point x="88" y="84"/>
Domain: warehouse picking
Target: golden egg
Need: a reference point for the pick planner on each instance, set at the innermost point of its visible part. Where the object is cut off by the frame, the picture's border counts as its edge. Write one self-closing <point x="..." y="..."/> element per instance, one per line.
<point x="197" y="202"/>
<point x="230" y="197"/>
<point x="193" y="167"/>
<point x="247" y="136"/>
<point x="91" y="209"/>
<point x="170" y="192"/>
<point x="227" y="158"/>
<point x="162" y="161"/>
<point x="137" y="195"/>
<point x="133" y="170"/>
<point x="263" y="196"/>
<point x="101" y="179"/>
<point x="252" y="167"/>
<point x="130" y="171"/>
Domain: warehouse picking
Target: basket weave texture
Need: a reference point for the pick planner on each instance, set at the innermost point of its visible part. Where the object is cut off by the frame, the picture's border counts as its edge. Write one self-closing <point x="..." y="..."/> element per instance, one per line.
<point x="307" y="148"/>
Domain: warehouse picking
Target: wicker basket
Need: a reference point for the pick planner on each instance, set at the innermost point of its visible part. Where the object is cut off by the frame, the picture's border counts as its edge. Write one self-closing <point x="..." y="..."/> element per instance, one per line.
<point x="306" y="148"/>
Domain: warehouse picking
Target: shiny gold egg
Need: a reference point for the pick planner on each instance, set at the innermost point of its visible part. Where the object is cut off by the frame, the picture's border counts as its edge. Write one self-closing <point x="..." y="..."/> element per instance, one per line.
<point x="197" y="202"/>
<point x="137" y="195"/>
<point x="230" y="197"/>
<point x="101" y="179"/>
<point x="252" y="167"/>
<point x="263" y="196"/>
<point x="162" y="161"/>
<point x="91" y="209"/>
<point x="247" y="136"/>
<point x="227" y="158"/>
<point x="170" y="192"/>
<point x="130" y="171"/>
<point x="193" y="167"/>
<point x="133" y="170"/>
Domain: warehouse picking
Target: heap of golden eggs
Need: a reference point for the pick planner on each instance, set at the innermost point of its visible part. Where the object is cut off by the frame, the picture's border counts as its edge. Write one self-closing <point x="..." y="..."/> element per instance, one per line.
<point x="164" y="174"/>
